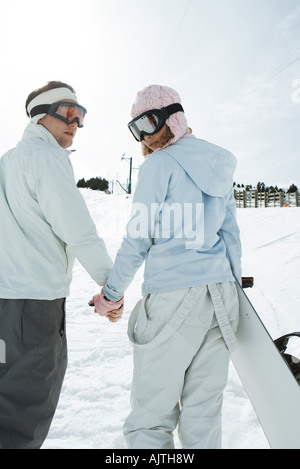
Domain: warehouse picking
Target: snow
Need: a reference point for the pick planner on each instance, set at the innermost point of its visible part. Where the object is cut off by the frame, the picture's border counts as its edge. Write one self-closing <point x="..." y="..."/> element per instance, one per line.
<point x="95" y="398"/>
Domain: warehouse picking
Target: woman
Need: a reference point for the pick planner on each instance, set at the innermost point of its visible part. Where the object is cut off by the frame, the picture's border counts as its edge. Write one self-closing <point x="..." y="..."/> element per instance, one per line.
<point x="183" y="225"/>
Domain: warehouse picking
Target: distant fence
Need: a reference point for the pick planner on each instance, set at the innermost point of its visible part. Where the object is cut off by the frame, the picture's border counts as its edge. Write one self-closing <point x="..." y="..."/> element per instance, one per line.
<point x="253" y="198"/>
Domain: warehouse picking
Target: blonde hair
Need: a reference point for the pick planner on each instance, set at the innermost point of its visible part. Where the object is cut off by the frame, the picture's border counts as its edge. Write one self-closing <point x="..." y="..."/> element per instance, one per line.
<point x="162" y="142"/>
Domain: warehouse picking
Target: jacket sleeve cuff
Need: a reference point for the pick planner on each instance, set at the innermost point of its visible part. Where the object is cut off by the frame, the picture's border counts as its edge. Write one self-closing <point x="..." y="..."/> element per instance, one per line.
<point x="111" y="294"/>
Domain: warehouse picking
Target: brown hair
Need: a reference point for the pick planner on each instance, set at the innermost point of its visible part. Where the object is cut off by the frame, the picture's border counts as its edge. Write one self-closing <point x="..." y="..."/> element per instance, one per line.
<point x="51" y="85"/>
<point x="163" y="141"/>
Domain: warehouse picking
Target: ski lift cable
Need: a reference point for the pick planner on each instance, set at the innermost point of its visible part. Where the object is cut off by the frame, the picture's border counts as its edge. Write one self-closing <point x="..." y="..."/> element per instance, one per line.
<point x="279" y="71"/>
<point x="282" y="66"/>
<point x="175" y="36"/>
<point x="266" y="80"/>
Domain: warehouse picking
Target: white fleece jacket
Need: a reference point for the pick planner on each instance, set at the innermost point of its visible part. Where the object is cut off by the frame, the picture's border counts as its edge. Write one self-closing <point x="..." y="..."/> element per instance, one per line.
<point x="45" y="223"/>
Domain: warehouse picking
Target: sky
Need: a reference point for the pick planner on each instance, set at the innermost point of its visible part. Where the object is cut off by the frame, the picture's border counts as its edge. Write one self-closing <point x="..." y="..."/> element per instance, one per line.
<point x="235" y="64"/>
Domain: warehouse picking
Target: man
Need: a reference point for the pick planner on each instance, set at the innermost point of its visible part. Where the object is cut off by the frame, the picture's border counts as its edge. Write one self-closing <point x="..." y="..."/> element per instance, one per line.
<point x="45" y="225"/>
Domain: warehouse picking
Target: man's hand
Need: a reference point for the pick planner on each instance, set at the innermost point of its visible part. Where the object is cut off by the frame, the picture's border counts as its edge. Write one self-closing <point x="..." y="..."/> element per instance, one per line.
<point x="115" y="315"/>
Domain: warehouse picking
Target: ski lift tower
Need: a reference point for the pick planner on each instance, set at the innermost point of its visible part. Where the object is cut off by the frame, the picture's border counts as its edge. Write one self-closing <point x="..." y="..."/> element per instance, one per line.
<point x="130" y="172"/>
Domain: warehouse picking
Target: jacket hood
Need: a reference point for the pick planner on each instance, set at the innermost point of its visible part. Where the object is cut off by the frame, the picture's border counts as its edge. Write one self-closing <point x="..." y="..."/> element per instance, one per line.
<point x="208" y="165"/>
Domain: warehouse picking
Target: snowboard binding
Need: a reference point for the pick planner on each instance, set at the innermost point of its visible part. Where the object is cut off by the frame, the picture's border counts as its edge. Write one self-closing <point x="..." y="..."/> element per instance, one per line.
<point x="292" y="362"/>
<point x="281" y="343"/>
<point x="247" y="282"/>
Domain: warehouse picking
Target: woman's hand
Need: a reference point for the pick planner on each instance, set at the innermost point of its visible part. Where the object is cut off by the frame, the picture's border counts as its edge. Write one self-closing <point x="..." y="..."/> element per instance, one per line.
<point x="104" y="307"/>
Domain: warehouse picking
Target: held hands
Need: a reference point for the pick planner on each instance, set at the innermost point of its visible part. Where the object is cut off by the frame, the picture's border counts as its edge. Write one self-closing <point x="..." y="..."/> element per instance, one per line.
<point x="111" y="309"/>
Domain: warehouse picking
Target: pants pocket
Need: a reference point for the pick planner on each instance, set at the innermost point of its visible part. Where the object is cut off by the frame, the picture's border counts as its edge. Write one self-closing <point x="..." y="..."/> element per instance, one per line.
<point x="63" y="320"/>
<point x="174" y="307"/>
<point x="155" y="312"/>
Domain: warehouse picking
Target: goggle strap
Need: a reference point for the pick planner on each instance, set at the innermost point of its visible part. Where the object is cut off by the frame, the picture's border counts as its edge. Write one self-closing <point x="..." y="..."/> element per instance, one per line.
<point x="165" y="112"/>
<point x="41" y="109"/>
<point x="171" y="109"/>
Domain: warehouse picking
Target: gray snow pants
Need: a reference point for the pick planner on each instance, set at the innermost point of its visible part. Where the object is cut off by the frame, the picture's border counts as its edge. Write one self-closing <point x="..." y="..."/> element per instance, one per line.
<point x="181" y="355"/>
<point x="32" y="368"/>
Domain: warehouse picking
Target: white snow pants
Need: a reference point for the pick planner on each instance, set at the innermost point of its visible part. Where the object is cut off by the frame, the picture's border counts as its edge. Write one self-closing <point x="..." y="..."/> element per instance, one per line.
<point x="181" y="340"/>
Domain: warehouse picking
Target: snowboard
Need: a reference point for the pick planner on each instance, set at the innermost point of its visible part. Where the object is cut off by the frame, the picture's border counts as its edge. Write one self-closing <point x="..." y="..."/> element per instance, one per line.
<point x="268" y="381"/>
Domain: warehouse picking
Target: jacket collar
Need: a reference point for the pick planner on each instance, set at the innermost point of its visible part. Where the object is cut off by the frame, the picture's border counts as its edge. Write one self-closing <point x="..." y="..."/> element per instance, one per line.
<point x="40" y="132"/>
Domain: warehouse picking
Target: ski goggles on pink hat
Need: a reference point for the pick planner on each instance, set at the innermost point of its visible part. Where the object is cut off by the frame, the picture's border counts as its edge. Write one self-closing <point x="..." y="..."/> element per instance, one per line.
<point x="66" y="111"/>
<point x="152" y="121"/>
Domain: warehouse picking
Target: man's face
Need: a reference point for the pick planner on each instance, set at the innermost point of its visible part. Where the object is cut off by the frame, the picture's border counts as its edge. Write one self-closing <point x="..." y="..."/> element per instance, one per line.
<point x="62" y="132"/>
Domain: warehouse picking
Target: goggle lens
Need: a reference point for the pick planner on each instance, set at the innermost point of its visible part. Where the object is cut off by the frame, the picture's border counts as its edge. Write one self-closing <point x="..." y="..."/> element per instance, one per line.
<point x="152" y="121"/>
<point x="147" y="124"/>
<point x="68" y="112"/>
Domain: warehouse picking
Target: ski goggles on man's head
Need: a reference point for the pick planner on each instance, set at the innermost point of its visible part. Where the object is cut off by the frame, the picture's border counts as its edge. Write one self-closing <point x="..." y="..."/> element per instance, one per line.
<point x="64" y="110"/>
<point x="152" y="121"/>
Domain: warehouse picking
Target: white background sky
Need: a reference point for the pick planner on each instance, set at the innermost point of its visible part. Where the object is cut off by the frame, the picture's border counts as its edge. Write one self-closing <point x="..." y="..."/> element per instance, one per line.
<point x="234" y="63"/>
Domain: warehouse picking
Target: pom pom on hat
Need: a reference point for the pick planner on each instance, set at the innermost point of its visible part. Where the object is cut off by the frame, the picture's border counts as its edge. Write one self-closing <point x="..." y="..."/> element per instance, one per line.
<point x="157" y="97"/>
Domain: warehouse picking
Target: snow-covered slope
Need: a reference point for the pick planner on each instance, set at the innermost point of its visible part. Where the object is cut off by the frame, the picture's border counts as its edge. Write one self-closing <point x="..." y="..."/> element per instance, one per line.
<point x="95" y="398"/>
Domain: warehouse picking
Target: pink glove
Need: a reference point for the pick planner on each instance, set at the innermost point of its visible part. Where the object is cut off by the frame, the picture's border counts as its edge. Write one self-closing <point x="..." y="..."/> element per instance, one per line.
<point x="103" y="306"/>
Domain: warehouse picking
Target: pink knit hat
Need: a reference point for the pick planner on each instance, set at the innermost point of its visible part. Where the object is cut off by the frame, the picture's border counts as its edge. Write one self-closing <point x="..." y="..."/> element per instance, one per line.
<point x="157" y="97"/>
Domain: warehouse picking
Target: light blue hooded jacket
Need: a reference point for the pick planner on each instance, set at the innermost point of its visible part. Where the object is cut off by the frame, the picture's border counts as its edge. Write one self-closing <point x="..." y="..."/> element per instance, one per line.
<point x="183" y="221"/>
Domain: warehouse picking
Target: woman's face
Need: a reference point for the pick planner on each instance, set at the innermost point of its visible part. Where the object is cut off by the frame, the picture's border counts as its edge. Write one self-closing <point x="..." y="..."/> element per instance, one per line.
<point x="152" y="141"/>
